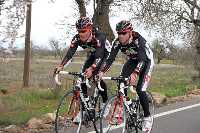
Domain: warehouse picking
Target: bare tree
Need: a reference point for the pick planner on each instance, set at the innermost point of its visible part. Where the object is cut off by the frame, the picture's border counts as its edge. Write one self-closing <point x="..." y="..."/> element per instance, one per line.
<point x="196" y="50"/>
<point x="82" y="8"/>
<point x="13" y="15"/>
<point x="158" y="49"/>
<point x="54" y="44"/>
<point x="170" y="17"/>
<point x="100" y="16"/>
<point x="102" y="12"/>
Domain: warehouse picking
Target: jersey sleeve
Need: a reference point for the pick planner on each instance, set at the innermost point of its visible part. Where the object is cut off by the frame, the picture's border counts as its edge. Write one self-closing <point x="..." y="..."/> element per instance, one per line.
<point x="112" y="56"/>
<point x="142" y="57"/>
<point x="100" y="51"/>
<point x="71" y="51"/>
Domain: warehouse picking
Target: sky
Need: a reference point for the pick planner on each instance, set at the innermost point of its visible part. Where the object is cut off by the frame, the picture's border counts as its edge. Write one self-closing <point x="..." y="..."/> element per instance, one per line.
<point x="45" y="15"/>
<point x="44" y="18"/>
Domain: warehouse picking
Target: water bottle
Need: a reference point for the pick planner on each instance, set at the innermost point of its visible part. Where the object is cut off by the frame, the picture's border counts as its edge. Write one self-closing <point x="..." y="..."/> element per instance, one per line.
<point x="133" y="106"/>
<point x="129" y="103"/>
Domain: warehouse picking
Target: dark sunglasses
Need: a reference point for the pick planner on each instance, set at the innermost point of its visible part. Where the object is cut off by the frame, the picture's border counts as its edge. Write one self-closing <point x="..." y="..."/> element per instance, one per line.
<point x="122" y="33"/>
<point x="83" y="31"/>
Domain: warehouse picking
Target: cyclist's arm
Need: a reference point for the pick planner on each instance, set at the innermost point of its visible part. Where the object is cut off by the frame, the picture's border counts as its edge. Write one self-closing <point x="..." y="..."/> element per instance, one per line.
<point x="70" y="53"/>
<point x="112" y="56"/>
<point x="100" y="51"/>
<point x="142" y="57"/>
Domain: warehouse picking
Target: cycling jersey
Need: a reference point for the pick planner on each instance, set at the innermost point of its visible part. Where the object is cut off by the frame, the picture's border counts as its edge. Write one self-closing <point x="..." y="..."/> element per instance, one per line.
<point x="137" y="49"/>
<point x="96" y="45"/>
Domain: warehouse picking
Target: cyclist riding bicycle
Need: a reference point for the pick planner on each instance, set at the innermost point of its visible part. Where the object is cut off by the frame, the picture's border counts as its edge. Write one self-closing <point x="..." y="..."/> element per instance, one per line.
<point x="140" y="63"/>
<point x="94" y="41"/>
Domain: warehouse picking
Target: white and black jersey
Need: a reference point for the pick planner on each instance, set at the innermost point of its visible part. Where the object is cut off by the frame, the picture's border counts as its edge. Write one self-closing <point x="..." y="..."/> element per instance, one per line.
<point x="98" y="47"/>
<point x="137" y="50"/>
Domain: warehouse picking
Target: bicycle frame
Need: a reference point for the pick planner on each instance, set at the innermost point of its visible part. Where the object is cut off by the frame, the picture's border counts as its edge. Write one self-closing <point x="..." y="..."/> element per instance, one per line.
<point x="75" y="97"/>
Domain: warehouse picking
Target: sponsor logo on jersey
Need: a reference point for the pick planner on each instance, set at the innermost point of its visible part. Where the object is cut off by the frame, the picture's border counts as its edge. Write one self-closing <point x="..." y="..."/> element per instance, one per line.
<point x="88" y="48"/>
<point x="131" y="51"/>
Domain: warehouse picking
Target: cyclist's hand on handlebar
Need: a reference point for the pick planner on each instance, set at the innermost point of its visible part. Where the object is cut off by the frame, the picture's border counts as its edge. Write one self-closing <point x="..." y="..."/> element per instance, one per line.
<point x="58" y="69"/>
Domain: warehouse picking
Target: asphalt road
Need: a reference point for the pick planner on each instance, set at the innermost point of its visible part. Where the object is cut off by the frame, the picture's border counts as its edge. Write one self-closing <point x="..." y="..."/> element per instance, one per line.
<point x="181" y="117"/>
<point x="187" y="121"/>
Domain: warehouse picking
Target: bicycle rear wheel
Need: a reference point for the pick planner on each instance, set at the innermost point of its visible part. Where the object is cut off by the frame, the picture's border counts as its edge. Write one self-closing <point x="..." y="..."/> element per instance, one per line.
<point x="113" y="117"/>
<point x="67" y="110"/>
<point x="137" y="120"/>
<point x="91" y="117"/>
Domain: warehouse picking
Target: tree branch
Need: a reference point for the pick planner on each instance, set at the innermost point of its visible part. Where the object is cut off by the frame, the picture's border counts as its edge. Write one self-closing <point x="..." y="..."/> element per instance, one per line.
<point x="192" y="3"/>
<point x="110" y="2"/>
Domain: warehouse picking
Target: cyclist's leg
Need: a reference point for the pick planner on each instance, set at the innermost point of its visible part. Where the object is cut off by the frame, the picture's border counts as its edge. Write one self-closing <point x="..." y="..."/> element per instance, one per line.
<point x="86" y="65"/>
<point x="143" y="81"/>
<point x="127" y="69"/>
<point x="103" y="93"/>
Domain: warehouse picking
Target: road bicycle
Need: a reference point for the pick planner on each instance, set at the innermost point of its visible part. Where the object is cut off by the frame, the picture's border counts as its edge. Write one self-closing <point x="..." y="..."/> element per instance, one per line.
<point x="121" y="114"/>
<point x="74" y="104"/>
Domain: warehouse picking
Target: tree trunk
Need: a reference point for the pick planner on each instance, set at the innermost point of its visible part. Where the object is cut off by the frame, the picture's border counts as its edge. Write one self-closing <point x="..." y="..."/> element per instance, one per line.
<point x="26" y="75"/>
<point x="101" y="18"/>
<point x="82" y="11"/>
<point x="1" y="4"/>
<point x="81" y="6"/>
<point x="197" y="47"/>
<point x="197" y="57"/>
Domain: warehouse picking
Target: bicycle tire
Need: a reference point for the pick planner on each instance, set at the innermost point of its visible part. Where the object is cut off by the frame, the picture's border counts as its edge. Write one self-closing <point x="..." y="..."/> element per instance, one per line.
<point x="137" y="120"/>
<point x="67" y="109"/>
<point x="98" y="110"/>
<point x="151" y="107"/>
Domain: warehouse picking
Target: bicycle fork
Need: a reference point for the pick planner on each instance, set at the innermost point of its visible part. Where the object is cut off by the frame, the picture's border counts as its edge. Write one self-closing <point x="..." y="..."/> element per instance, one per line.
<point x="120" y="109"/>
<point x="75" y="101"/>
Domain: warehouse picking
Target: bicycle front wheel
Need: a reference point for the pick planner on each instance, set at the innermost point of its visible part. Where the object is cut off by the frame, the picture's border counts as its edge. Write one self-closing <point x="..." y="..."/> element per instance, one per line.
<point x="67" y="111"/>
<point x="113" y="117"/>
